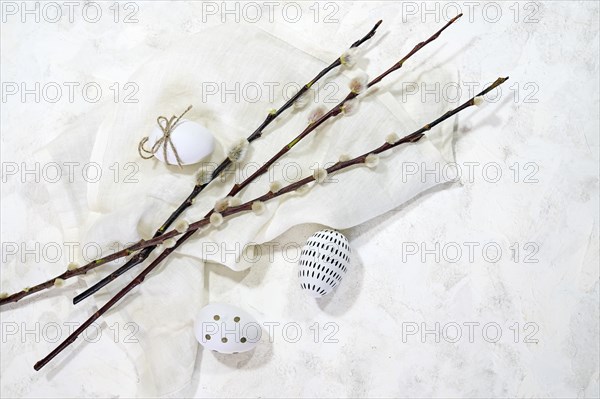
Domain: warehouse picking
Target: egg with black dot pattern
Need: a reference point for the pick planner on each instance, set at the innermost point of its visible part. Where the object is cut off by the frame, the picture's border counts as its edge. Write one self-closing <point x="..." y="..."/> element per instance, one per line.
<point x="324" y="260"/>
<point x="226" y="329"/>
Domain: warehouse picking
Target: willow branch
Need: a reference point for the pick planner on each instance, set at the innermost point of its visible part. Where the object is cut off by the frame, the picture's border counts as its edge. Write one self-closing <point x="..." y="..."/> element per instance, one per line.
<point x="127" y="266"/>
<point x="198" y="188"/>
<point x="411" y="138"/>
<point x="237" y="188"/>
<point x="336" y="110"/>
<point x="361" y="159"/>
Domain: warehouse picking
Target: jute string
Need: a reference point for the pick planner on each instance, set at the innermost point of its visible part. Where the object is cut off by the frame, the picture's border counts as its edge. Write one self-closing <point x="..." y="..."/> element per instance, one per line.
<point x="167" y="126"/>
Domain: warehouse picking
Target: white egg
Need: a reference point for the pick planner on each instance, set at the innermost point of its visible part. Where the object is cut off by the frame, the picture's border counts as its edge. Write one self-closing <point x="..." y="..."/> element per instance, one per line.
<point x="226" y="329"/>
<point x="193" y="142"/>
<point x="323" y="262"/>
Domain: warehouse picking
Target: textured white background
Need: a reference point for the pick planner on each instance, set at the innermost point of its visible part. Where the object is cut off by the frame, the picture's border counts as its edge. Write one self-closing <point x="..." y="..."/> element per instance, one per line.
<point x="548" y="116"/>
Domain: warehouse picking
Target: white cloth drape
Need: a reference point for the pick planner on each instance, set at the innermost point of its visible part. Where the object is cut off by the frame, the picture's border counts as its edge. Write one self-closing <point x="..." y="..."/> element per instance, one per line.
<point x="119" y="209"/>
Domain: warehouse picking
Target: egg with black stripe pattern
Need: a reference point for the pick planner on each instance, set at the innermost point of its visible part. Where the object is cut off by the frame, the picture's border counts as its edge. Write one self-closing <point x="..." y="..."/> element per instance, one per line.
<point x="324" y="260"/>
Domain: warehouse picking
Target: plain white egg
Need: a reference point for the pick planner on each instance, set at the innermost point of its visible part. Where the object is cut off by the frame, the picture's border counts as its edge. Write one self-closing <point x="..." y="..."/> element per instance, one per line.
<point x="193" y="142"/>
<point x="226" y="329"/>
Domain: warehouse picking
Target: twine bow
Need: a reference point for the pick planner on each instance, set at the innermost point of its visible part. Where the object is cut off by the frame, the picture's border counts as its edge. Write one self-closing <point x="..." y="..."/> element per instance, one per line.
<point x="167" y="126"/>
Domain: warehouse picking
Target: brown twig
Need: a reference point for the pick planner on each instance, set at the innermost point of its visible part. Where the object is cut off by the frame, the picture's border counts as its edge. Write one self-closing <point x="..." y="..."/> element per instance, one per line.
<point x="198" y="188"/>
<point x="237" y="188"/>
<point x="411" y="138"/>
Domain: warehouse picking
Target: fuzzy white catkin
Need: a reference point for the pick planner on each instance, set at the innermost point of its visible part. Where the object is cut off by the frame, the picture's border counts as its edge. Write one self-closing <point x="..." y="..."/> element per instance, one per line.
<point x="238" y="151"/>
<point x="169" y="243"/>
<point x="3" y="295"/>
<point x="349" y="57"/>
<point x="72" y="266"/>
<point x="478" y="101"/>
<point x="316" y="114"/>
<point x="320" y="175"/>
<point x="59" y="282"/>
<point x="275" y="186"/>
<point x="372" y="160"/>
<point x="182" y="226"/>
<point x="258" y="207"/>
<point x="304" y="99"/>
<point x="392" y="138"/>
<point x="222" y="204"/>
<point x="350" y="107"/>
<point x="358" y="83"/>
<point x="303" y="189"/>
<point x="344" y="158"/>
<point x="216" y="219"/>
<point x="202" y="177"/>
